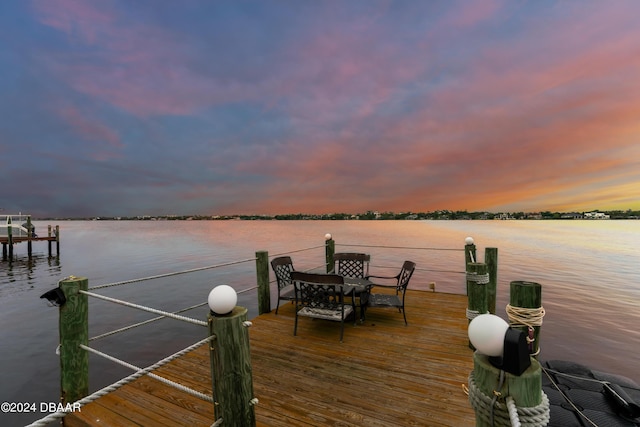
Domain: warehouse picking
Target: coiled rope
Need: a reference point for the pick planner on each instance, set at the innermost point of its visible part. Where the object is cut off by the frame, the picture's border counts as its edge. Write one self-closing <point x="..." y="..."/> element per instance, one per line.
<point x="528" y="317"/>
<point x="506" y="414"/>
<point x="43" y="422"/>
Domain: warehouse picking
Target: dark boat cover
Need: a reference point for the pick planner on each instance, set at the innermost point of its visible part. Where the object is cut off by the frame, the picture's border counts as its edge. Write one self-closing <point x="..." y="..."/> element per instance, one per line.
<point x="580" y="396"/>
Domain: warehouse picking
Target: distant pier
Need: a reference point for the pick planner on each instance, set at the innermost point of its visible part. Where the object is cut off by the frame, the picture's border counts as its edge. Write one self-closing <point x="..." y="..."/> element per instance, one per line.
<point x="13" y="230"/>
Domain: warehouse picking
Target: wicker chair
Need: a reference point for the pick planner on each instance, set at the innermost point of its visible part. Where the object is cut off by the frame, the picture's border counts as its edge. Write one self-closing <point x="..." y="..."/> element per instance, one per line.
<point x="321" y="296"/>
<point x="395" y="300"/>
<point x="282" y="268"/>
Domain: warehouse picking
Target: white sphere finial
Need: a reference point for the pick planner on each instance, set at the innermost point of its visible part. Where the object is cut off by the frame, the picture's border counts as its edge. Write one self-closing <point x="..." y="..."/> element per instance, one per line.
<point x="222" y="299"/>
<point x="327" y="236"/>
<point x="468" y="241"/>
<point x="486" y="333"/>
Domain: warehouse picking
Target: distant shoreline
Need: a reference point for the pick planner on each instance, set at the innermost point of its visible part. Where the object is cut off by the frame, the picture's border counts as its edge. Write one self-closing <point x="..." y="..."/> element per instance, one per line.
<point x="377" y="216"/>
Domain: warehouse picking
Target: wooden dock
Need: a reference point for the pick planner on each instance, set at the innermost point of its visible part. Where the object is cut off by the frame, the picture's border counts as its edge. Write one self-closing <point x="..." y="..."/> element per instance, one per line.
<point x="383" y="374"/>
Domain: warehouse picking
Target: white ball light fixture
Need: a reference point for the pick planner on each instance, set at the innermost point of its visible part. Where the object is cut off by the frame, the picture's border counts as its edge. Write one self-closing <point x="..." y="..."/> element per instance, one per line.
<point x="468" y="241"/>
<point x="327" y="236"/>
<point x="487" y="332"/>
<point x="222" y="299"/>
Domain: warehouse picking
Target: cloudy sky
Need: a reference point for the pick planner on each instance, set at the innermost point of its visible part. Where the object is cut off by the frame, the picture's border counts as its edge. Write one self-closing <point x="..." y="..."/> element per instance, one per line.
<point x="150" y="107"/>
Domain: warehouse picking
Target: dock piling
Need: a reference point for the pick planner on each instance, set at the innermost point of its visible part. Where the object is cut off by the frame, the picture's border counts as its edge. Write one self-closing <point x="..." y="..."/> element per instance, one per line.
<point x="491" y="259"/>
<point x="74" y="330"/>
<point x="262" y="274"/>
<point x="231" y="372"/>
<point x="330" y="250"/>
<point x="525" y="311"/>
<point x="477" y="279"/>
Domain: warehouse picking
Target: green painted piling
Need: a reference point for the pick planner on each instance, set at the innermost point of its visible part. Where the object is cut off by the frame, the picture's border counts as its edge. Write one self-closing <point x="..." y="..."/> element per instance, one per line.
<point x="262" y="274"/>
<point x="57" y="240"/>
<point x="476" y="289"/>
<point x="330" y="250"/>
<point x="231" y="369"/>
<point x="469" y="254"/>
<point x="525" y="389"/>
<point x="49" y="241"/>
<point x="74" y="330"/>
<point x="527" y="295"/>
<point x="491" y="259"/>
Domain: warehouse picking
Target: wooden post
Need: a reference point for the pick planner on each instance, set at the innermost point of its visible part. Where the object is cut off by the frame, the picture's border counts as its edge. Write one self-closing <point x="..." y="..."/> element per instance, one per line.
<point x="74" y="330"/>
<point x="330" y="250"/>
<point x="262" y="273"/>
<point x="29" y="233"/>
<point x="469" y="254"/>
<point x="57" y="240"/>
<point x="526" y="295"/>
<point x="10" y="238"/>
<point x="526" y="389"/>
<point x="491" y="259"/>
<point x="49" y="240"/>
<point x="231" y="369"/>
<point x="476" y="290"/>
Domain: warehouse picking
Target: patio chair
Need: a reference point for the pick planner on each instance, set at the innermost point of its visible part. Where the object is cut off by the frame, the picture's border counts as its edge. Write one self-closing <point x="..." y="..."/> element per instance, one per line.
<point x="350" y="264"/>
<point x="282" y="268"/>
<point x="395" y="300"/>
<point x="321" y="296"/>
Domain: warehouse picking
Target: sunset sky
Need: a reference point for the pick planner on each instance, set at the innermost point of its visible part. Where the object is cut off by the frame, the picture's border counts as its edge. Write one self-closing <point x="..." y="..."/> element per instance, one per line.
<point x="158" y="107"/>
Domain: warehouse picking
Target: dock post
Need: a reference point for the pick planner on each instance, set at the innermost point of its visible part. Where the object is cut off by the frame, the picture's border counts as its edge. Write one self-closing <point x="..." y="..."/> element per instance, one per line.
<point x="525" y="311"/>
<point x="469" y="252"/>
<point x="29" y="235"/>
<point x="330" y="250"/>
<point x="74" y="330"/>
<point x="524" y="389"/>
<point x="49" y="240"/>
<point x="10" y="238"/>
<point x="477" y="279"/>
<point x="57" y="240"/>
<point x="262" y="274"/>
<point x="231" y="369"/>
<point x="491" y="259"/>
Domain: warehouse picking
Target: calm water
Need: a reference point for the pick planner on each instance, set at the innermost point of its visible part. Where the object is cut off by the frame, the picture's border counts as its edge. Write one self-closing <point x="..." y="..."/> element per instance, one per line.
<point x="588" y="271"/>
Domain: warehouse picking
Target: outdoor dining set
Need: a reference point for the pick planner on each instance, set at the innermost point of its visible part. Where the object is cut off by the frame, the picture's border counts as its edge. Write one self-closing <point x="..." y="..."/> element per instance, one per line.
<point x="333" y="295"/>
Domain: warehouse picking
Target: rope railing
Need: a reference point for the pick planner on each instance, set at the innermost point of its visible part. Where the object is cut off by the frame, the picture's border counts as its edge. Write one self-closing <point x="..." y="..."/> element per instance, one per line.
<point x="108" y="389"/>
<point x="401" y="247"/>
<point x="297" y="250"/>
<point x="178" y="386"/>
<point x="144" y="308"/>
<point x="174" y="273"/>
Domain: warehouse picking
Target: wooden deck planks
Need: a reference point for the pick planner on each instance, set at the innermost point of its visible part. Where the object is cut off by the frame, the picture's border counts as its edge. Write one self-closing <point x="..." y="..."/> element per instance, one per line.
<point x="383" y="374"/>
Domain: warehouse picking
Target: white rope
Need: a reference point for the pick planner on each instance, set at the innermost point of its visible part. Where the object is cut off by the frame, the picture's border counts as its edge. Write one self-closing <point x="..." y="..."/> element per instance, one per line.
<point x="175" y="273"/>
<point x="152" y="375"/>
<point x="135" y="325"/>
<point x="479" y="279"/>
<point x="401" y="247"/>
<point x="472" y="314"/>
<point x="149" y="309"/>
<point x="487" y="406"/>
<point x="513" y="412"/>
<point x="43" y="422"/>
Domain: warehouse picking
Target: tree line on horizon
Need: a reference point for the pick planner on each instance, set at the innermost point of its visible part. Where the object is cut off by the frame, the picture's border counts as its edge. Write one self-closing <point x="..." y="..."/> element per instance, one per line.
<point x="374" y="215"/>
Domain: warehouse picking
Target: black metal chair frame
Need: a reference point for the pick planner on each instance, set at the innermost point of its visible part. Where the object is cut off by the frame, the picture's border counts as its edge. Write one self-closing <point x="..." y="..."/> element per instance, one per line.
<point x="282" y="268"/>
<point x="391" y="300"/>
<point x="355" y="265"/>
<point x="351" y="264"/>
<point x="321" y="296"/>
